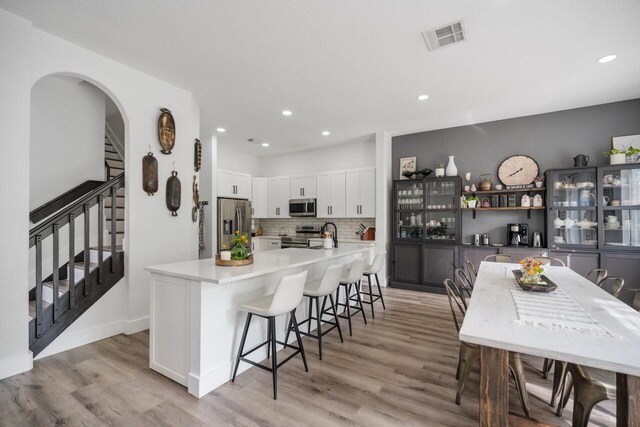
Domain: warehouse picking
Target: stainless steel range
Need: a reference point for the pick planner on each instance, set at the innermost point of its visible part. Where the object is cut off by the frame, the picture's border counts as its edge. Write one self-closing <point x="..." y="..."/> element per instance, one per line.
<point x="301" y="239"/>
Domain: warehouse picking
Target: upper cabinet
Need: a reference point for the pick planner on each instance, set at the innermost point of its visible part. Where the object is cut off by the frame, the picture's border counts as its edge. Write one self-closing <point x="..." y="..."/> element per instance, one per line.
<point x="278" y="195"/>
<point x="360" y="193"/>
<point x="259" y="206"/>
<point x="331" y="194"/>
<point x="235" y="185"/>
<point x="303" y="186"/>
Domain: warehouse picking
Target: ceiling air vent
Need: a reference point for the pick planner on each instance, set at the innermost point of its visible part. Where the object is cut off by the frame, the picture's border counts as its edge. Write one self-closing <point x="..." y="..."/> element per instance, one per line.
<point x="444" y="36"/>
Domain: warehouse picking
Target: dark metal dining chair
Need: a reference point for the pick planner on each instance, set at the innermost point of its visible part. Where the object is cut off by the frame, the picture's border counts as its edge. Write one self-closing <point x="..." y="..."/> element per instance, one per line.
<point x="612" y="285"/>
<point x="470" y="353"/>
<point x="463" y="281"/>
<point x="472" y="270"/>
<point x="600" y="274"/>
<point x="498" y="258"/>
<point x="545" y="260"/>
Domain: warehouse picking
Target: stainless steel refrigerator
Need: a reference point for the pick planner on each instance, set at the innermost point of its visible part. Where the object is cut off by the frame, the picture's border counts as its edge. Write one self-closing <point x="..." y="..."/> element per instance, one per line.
<point x="233" y="214"/>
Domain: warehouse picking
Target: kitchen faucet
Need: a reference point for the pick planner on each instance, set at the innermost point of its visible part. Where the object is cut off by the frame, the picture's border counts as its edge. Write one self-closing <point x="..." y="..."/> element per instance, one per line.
<point x="335" y="232"/>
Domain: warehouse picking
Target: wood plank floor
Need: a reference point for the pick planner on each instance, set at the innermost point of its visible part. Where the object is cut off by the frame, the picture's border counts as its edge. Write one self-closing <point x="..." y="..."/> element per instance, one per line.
<point x="397" y="370"/>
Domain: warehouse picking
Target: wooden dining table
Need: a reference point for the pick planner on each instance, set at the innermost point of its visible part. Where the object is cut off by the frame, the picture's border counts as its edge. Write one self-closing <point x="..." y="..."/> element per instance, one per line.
<point x="580" y="324"/>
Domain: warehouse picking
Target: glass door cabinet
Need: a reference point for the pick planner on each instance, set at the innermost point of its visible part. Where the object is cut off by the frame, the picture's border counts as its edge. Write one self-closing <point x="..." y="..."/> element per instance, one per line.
<point x="442" y="210"/>
<point x="408" y="209"/>
<point x="572" y="216"/>
<point x="619" y="210"/>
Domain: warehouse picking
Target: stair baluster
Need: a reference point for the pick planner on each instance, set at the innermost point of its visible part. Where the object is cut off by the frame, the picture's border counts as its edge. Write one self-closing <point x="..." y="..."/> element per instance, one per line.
<point x="87" y="245"/>
<point x="56" y="272"/>
<point x="114" y="228"/>
<point x="100" y="236"/>
<point x="38" y="286"/>
<point x="71" y="275"/>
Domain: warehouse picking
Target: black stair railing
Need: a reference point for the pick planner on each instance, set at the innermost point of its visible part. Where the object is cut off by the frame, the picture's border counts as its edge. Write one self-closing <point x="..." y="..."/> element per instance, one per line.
<point x="52" y="226"/>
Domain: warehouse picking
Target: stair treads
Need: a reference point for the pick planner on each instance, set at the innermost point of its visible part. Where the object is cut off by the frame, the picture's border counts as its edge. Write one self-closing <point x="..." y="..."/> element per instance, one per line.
<point x="32" y="308"/>
<point x="63" y="286"/>
<point x="80" y="265"/>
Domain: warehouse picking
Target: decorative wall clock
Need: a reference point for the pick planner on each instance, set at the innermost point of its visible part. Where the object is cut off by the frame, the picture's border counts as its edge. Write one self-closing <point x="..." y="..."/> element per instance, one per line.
<point x="518" y="170"/>
<point x="166" y="130"/>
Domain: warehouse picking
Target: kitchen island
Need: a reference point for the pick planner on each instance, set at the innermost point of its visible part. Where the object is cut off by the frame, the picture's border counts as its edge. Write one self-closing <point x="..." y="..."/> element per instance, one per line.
<point x="195" y="325"/>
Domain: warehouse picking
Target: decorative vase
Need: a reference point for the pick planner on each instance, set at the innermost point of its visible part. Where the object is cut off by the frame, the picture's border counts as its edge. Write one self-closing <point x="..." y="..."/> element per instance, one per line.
<point x="472" y="203"/>
<point x="439" y="172"/>
<point x="617" y="159"/>
<point x="452" y="170"/>
<point x="239" y="252"/>
<point x="530" y="279"/>
<point x="539" y="184"/>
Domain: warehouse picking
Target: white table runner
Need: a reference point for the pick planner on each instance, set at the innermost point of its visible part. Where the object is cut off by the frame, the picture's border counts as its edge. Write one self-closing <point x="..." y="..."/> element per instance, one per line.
<point x="554" y="310"/>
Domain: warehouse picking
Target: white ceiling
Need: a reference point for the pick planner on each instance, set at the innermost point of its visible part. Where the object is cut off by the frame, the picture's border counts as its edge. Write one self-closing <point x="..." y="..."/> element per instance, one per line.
<point x="355" y="67"/>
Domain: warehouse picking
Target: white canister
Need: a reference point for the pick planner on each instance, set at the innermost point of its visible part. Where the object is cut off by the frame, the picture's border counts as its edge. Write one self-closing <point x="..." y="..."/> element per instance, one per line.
<point x="525" y="201"/>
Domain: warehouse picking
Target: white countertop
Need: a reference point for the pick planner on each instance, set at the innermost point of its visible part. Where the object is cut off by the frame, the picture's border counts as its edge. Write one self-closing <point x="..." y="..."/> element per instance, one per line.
<point x="206" y="270"/>
<point x="492" y="320"/>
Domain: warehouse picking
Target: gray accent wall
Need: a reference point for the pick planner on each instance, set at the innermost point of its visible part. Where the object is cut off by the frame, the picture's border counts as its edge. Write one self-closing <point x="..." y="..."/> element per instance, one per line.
<point x="552" y="139"/>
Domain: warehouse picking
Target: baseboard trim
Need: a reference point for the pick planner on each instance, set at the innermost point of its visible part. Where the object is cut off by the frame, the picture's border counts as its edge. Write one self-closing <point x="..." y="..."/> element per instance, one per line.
<point x="67" y="341"/>
<point x="136" y="325"/>
<point x="17" y="364"/>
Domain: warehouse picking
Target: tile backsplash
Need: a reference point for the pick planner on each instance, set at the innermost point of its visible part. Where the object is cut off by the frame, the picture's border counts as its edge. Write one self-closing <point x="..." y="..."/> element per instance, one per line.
<point x="347" y="227"/>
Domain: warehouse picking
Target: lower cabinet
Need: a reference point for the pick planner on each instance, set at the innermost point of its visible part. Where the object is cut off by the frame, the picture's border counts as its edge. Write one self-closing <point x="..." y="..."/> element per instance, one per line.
<point x="475" y="254"/>
<point x="438" y="263"/>
<point x="580" y="262"/>
<point x="407" y="266"/>
<point x="626" y="266"/>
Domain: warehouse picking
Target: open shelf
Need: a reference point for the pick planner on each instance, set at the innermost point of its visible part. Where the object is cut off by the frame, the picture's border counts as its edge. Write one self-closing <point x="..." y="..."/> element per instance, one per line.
<point x="520" y="190"/>
<point x="515" y="208"/>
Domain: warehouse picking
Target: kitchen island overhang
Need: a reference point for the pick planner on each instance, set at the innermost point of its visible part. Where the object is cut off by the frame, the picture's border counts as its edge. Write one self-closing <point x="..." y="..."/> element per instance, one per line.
<point x="195" y="325"/>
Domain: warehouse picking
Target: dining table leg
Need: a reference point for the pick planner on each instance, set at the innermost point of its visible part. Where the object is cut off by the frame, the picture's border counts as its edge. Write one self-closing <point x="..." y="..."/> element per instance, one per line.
<point x="628" y="400"/>
<point x="494" y="387"/>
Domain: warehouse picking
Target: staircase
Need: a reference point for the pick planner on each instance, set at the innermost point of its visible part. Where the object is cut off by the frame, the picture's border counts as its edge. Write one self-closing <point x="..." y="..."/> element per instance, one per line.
<point x="82" y="277"/>
<point x="114" y="166"/>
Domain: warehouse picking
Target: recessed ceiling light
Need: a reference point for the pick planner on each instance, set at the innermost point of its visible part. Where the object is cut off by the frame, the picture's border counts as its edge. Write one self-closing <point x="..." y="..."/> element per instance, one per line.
<point x="265" y="144"/>
<point x="221" y="130"/>
<point x="326" y="132"/>
<point x="286" y="113"/>
<point x="607" y="58"/>
<point x="423" y="97"/>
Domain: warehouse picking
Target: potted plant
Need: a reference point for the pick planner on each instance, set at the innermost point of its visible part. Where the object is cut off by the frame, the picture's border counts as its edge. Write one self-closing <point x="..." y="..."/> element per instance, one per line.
<point x="633" y="154"/>
<point x="616" y="156"/>
<point x="538" y="181"/>
<point x="238" y="251"/>
<point x="531" y="271"/>
<point x="439" y="169"/>
<point x="472" y="201"/>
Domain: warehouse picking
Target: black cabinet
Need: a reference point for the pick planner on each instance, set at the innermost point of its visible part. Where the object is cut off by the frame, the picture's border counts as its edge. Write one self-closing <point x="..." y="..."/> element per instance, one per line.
<point x="438" y="263"/>
<point x="407" y="266"/>
<point x="580" y="262"/>
<point x="475" y="254"/>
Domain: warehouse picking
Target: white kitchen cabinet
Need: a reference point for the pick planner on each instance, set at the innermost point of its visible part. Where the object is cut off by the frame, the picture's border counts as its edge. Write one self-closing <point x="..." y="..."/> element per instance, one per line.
<point x="360" y="193"/>
<point x="331" y="194"/>
<point x="303" y="186"/>
<point x="269" y="244"/>
<point x="278" y="195"/>
<point x="235" y="185"/>
<point x="259" y="196"/>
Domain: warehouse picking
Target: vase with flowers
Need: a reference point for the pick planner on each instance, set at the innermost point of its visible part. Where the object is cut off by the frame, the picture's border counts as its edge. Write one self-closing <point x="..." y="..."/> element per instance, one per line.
<point x="238" y="251"/>
<point x="531" y="271"/>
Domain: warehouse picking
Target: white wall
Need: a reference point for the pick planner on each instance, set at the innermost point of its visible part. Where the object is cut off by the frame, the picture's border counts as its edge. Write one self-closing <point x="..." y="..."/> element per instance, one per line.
<point x="67" y="137"/>
<point x="237" y="162"/>
<point x="153" y="236"/>
<point x="15" y="87"/>
<point x="345" y="156"/>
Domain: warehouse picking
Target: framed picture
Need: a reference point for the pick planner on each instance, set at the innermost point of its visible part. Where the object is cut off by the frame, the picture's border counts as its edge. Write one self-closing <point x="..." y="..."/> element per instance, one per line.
<point x="624" y="142"/>
<point x="407" y="164"/>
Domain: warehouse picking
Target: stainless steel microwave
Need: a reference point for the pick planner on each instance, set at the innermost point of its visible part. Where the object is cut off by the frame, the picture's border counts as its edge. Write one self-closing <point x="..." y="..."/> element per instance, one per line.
<point x="302" y="207"/>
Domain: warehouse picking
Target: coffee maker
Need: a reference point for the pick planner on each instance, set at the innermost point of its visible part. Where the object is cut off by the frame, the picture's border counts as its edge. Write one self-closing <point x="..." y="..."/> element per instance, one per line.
<point x="518" y="235"/>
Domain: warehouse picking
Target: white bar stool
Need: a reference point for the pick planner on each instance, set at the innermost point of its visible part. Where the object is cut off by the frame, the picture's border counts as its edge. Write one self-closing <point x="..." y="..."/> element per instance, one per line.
<point x="373" y="270"/>
<point x="314" y="290"/>
<point x="285" y="299"/>
<point x="351" y="280"/>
